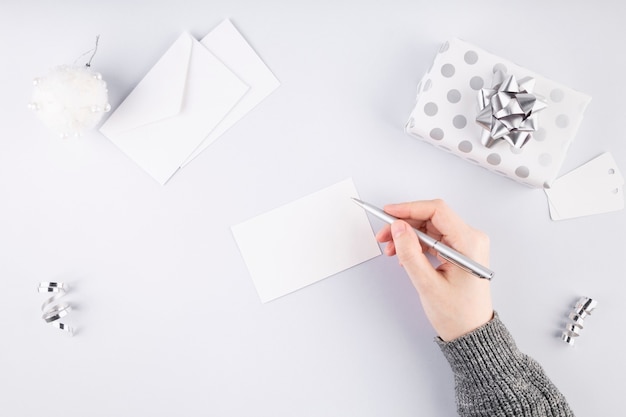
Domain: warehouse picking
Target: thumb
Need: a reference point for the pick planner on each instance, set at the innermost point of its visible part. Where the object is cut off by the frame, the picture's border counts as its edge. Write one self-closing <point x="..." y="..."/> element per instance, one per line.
<point x="409" y="252"/>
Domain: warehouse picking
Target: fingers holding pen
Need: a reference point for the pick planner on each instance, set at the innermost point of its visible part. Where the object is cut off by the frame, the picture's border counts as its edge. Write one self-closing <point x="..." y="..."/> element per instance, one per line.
<point x="436" y="212"/>
<point x="421" y="223"/>
<point x="438" y="220"/>
<point x="384" y="235"/>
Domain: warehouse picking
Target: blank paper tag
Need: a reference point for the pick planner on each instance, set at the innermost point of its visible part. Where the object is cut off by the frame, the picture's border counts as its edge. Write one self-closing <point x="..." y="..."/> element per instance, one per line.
<point x="593" y="188"/>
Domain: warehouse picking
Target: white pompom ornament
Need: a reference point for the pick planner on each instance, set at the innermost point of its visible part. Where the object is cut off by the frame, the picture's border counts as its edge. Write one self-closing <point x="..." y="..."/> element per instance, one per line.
<point x="70" y="99"/>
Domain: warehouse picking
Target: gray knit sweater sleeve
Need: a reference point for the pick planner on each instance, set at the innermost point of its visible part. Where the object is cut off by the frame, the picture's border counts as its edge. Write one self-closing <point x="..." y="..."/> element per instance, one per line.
<point x="493" y="378"/>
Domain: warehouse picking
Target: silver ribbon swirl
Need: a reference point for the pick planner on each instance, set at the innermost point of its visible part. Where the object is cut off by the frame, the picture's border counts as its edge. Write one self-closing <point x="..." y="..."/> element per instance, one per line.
<point x="53" y="310"/>
<point x="508" y="110"/>
<point x="583" y="308"/>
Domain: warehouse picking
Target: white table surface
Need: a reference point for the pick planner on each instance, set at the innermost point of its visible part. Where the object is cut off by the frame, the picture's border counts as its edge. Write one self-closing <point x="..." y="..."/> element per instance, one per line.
<point x="170" y="323"/>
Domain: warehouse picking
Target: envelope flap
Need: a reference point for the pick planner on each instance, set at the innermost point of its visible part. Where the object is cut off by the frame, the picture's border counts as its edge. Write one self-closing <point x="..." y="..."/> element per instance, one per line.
<point x="159" y="94"/>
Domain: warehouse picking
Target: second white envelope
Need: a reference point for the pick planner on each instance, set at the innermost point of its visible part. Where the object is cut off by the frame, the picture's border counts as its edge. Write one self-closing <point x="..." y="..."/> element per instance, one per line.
<point x="230" y="47"/>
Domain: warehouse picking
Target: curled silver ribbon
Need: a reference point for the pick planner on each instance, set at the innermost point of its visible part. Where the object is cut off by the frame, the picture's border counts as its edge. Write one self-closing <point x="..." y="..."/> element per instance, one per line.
<point x="508" y="110"/>
<point x="569" y="339"/>
<point x="577" y="319"/>
<point x="582" y="309"/>
<point x="586" y="305"/>
<point x="53" y="310"/>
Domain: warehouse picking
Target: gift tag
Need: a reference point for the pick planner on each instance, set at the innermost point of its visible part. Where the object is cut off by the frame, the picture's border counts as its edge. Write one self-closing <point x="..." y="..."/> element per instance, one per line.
<point x="593" y="188"/>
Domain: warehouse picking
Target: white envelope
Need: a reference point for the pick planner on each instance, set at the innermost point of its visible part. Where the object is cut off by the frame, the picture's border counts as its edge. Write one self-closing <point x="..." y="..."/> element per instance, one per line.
<point x="173" y="108"/>
<point x="230" y="47"/>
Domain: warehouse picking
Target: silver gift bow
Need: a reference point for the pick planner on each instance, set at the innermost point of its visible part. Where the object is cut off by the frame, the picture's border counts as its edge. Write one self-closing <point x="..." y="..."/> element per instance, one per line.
<point x="508" y="110"/>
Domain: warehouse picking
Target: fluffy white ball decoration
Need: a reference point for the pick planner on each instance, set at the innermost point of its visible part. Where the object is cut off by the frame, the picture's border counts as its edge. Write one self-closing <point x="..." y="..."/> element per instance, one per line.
<point x="70" y="99"/>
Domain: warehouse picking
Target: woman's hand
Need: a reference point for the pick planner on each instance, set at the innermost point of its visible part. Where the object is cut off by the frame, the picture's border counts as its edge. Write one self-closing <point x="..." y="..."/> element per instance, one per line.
<point x="455" y="301"/>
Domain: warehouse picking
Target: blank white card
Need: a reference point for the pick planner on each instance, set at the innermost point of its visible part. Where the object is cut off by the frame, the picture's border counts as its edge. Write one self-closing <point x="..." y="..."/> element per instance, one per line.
<point x="306" y="241"/>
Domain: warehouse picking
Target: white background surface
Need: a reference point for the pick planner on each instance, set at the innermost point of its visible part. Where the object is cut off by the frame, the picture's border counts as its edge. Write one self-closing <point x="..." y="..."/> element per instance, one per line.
<point x="170" y="323"/>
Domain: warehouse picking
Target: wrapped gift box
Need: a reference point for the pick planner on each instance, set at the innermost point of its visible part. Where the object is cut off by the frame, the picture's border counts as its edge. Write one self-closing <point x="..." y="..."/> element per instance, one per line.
<point x="447" y="106"/>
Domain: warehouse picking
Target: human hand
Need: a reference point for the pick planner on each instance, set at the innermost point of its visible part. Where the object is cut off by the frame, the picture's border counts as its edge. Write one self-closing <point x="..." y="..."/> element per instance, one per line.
<point x="455" y="301"/>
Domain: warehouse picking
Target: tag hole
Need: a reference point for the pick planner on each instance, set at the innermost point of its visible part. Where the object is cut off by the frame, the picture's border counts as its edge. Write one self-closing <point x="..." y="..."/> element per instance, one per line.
<point x="611" y="171"/>
<point x="615" y="191"/>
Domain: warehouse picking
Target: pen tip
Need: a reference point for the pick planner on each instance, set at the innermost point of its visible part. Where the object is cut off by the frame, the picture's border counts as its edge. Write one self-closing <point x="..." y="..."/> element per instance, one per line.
<point x="357" y="201"/>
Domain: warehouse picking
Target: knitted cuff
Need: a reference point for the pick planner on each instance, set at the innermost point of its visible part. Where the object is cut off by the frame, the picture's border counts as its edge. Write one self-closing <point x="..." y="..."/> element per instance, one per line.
<point x="482" y="354"/>
<point x="493" y="378"/>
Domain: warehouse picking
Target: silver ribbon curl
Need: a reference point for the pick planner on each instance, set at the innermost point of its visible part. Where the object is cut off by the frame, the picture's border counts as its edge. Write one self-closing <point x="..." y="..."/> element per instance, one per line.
<point x="53" y="310"/>
<point x="583" y="308"/>
<point x="508" y="110"/>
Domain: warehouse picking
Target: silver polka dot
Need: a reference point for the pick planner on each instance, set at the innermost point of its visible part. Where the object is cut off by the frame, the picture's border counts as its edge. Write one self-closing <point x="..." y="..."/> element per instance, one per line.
<point x="454" y="96"/>
<point x="557" y="95"/>
<point x="444" y="47"/>
<point x="522" y="172"/>
<point x="562" y="121"/>
<point x="465" y="146"/>
<point x="545" y="159"/>
<point x="459" y="121"/>
<point x="477" y="83"/>
<point x="471" y="57"/>
<point x="436" y="134"/>
<point x="515" y="150"/>
<point x="494" y="159"/>
<point x="500" y="67"/>
<point x="430" y="109"/>
<point x="447" y="70"/>
<point x="428" y="84"/>
<point x="540" y="134"/>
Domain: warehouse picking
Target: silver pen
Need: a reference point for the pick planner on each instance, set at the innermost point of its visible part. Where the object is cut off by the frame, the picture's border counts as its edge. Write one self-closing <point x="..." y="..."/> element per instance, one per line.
<point x="446" y="252"/>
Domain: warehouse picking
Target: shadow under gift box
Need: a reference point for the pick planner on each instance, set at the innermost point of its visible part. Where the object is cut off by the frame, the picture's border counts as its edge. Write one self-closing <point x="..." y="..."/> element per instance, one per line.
<point x="447" y="106"/>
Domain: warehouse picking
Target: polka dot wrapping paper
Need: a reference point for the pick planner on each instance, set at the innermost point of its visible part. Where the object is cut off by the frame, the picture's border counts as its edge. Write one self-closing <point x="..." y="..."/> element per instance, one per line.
<point x="447" y="106"/>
